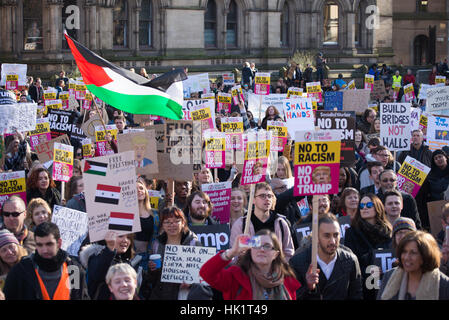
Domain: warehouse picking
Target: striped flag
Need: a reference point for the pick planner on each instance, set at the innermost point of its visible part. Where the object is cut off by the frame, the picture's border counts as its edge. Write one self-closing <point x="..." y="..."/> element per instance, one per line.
<point x="107" y="194"/>
<point x="94" y="167"/>
<point x="121" y="221"/>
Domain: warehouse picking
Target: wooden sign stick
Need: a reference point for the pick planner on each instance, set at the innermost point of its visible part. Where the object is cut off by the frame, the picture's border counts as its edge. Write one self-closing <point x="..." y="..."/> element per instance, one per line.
<point x="171" y="190"/>
<point x="250" y="209"/>
<point x="314" y="232"/>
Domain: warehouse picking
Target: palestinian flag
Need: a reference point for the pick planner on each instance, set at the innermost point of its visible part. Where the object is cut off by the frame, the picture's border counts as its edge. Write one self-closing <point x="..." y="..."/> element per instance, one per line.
<point x="107" y="194"/>
<point x="121" y="221"/>
<point x="94" y="167"/>
<point x="126" y="90"/>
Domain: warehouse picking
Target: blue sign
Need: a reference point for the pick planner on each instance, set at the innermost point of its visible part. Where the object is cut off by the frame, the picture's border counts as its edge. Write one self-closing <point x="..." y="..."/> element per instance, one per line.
<point x="332" y="100"/>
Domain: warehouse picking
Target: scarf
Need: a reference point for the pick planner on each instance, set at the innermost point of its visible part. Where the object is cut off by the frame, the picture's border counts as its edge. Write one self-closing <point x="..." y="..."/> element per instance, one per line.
<point x="376" y="234"/>
<point x="52" y="264"/>
<point x="267" y="287"/>
<point x="428" y="289"/>
<point x="22" y="235"/>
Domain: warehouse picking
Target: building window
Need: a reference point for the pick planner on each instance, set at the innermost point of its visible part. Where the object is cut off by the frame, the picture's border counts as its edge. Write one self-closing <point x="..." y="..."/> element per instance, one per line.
<point x="285" y="39"/>
<point x="146" y="24"/>
<point x="421" y="5"/>
<point x="330" y="25"/>
<point x="32" y="25"/>
<point x="210" y="24"/>
<point x="231" y="25"/>
<point x="121" y="23"/>
<point x="70" y="18"/>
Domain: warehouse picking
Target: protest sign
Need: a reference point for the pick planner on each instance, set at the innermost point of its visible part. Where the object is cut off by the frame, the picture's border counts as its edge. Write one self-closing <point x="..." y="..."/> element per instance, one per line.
<point x="111" y="195"/>
<point x="87" y="148"/>
<point x="215" y="235"/>
<point x="409" y="92"/>
<point x="274" y="99"/>
<point x="50" y="94"/>
<point x="45" y="150"/>
<point x="62" y="122"/>
<point x="72" y="226"/>
<point x="182" y="264"/>
<point x="298" y="114"/>
<point x="356" y="100"/>
<point x="203" y="114"/>
<point x="87" y="101"/>
<point x="196" y="83"/>
<point x="53" y="104"/>
<point x="369" y="82"/>
<point x="89" y="126"/>
<point x="278" y="135"/>
<point x="440" y="79"/>
<point x="395" y="126"/>
<point x="2" y="151"/>
<point x="351" y="85"/>
<point x="303" y="230"/>
<point x="379" y="91"/>
<point x="80" y="90"/>
<point x="345" y="123"/>
<point x="423" y="124"/>
<point x="317" y="162"/>
<point x="384" y="259"/>
<point x="435" y="216"/>
<point x="64" y="96"/>
<point x="62" y="162"/>
<point x="415" y="116"/>
<point x="411" y="176"/>
<point x="437" y="132"/>
<point x="237" y="94"/>
<point x="424" y="87"/>
<point x="220" y="196"/>
<point x="396" y="88"/>
<point x="215" y="149"/>
<point x="294" y="91"/>
<point x="189" y="104"/>
<point x="438" y="100"/>
<point x="12" y="183"/>
<point x="209" y="95"/>
<point x="19" y="116"/>
<point x="13" y="75"/>
<point x="314" y="91"/>
<point x="103" y="146"/>
<point x="256" y="157"/>
<point x="144" y="146"/>
<point x="159" y="135"/>
<point x="224" y="102"/>
<point x="333" y="100"/>
<point x="262" y="83"/>
<point x="233" y="128"/>
<point x="154" y="198"/>
<point x="72" y="87"/>
<point x="228" y="79"/>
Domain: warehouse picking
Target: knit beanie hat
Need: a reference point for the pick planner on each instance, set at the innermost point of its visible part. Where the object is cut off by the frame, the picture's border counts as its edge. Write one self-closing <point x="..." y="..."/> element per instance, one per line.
<point x="403" y="223"/>
<point x="7" y="237"/>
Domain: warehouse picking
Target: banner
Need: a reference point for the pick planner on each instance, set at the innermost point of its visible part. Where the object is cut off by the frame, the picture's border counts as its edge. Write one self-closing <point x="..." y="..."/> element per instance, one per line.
<point x="19" y="116"/>
<point x="257" y="152"/>
<point x="111" y="195"/>
<point x="411" y="176"/>
<point x="409" y="92"/>
<point x="274" y="99"/>
<point x="182" y="264"/>
<point x="356" y="100"/>
<point x="278" y="135"/>
<point x="438" y="100"/>
<point x="196" y="83"/>
<point x="220" y="196"/>
<point x="345" y="123"/>
<point x="228" y="79"/>
<point x="333" y="100"/>
<point x="215" y="149"/>
<point x="262" y="83"/>
<point x="395" y="126"/>
<point x="224" y="102"/>
<point x="233" y="128"/>
<point x="62" y="162"/>
<point x="437" y="132"/>
<point x="189" y="104"/>
<point x="13" y="75"/>
<point x="12" y="183"/>
<point x="214" y="235"/>
<point x="298" y="114"/>
<point x="369" y="82"/>
<point x="144" y="146"/>
<point x="72" y="226"/>
<point x="317" y="162"/>
<point x="103" y="147"/>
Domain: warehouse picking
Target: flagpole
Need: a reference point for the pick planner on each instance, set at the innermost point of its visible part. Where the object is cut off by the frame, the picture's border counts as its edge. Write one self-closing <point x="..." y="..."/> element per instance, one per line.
<point x="250" y="208"/>
<point x="314" y="232"/>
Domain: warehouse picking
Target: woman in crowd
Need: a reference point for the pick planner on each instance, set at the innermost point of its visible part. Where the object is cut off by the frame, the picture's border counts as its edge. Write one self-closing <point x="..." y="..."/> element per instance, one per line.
<point x="344" y="180"/>
<point x="369" y="230"/>
<point x="360" y="145"/>
<point x="261" y="272"/>
<point x="239" y="205"/>
<point x="38" y="211"/>
<point x="147" y="221"/>
<point x="367" y="119"/>
<point x="349" y="202"/>
<point x="73" y="187"/>
<point x="272" y="114"/>
<point x="204" y="177"/>
<point x="17" y="153"/>
<point x="417" y="276"/>
<point x="40" y="184"/>
<point x="77" y="167"/>
<point x="437" y="181"/>
<point x="122" y="282"/>
<point x="284" y="171"/>
<point x="10" y="252"/>
<point x="375" y="126"/>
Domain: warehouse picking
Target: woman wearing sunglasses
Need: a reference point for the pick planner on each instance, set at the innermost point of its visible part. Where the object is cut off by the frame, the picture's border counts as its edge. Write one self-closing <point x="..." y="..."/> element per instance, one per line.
<point x="369" y="230"/>
<point x="261" y="272"/>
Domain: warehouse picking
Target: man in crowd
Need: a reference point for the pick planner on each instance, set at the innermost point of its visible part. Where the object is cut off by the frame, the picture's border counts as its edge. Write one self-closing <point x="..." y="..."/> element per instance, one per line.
<point x="418" y="150"/>
<point x="198" y="209"/>
<point x="374" y="169"/>
<point x="120" y="123"/>
<point x="37" y="91"/>
<point x="393" y="205"/>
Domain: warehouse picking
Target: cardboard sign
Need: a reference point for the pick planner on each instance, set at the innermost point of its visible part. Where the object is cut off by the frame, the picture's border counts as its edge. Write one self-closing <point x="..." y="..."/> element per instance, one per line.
<point x="228" y="79"/>
<point x="317" y="162"/>
<point x="87" y="148"/>
<point x="12" y="183"/>
<point x="63" y="122"/>
<point x="196" y="83"/>
<point x="395" y="126"/>
<point x="274" y="99"/>
<point x="435" y="216"/>
<point x="215" y="236"/>
<point x="72" y="225"/>
<point x="303" y="230"/>
<point x="369" y="82"/>
<point x="17" y="75"/>
<point x="262" y="83"/>
<point x="182" y="264"/>
<point x="298" y="114"/>
<point x="437" y="132"/>
<point x="345" y="123"/>
<point x="438" y="100"/>
<point x="111" y="195"/>
<point x="379" y="91"/>
<point x="224" y="102"/>
<point x="20" y="116"/>
<point x="103" y="146"/>
<point x="215" y="149"/>
<point x="144" y="146"/>
<point x="233" y="128"/>
<point x="45" y="150"/>
<point x="356" y="100"/>
<point x="220" y="196"/>
<point x="333" y="100"/>
<point x="237" y="94"/>
<point x="62" y="162"/>
<point x="278" y="135"/>
<point x="411" y="176"/>
<point x="256" y="157"/>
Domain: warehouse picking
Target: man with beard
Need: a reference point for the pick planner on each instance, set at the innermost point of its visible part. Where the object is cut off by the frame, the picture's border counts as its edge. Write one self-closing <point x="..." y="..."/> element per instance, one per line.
<point x="337" y="276"/>
<point x="198" y="210"/>
<point x="45" y="275"/>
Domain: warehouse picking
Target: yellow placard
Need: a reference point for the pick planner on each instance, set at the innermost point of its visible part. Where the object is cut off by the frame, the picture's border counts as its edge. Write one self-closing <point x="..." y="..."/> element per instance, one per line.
<point x="423" y="121"/>
<point x="262" y="80"/>
<point x="412" y="173"/>
<point x="64" y="96"/>
<point x="63" y="156"/>
<point x="440" y="79"/>
<point x="12" y="186"/>
<point x="232" y="127"/>
<point x="257" y="150"/>
<point x="12" y="77"/>
<point x="49" y="95"/>
<point x="200" y="114"/>
<point x="87" y="149"/>
<point x="80" y="87"/>
<point x="214" y="144"/>
<point x="408" y="89"/>
<point x="313" y="89"/>
<point x="88" y="96"/>
<point x="101" y="135"/>
<point x="369" y="79"/>
<point x="317" y="152"/>
<point x="41" y="128"/>
<point x="224" y="99"/>
<point x="280" y="132"/>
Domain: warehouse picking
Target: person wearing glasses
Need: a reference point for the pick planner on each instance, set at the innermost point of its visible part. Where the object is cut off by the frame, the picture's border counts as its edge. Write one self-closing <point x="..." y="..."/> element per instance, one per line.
<point x="389" y="182"/>
<point x="382" y="155"/>
<point x="263" y="217"/>
<point x="370" y="230"/>
<point x="14" y="215"/>
<point x="261" y="273"/>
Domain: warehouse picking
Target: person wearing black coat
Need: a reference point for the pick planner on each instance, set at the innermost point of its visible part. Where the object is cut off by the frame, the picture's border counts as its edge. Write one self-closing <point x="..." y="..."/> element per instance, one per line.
<point x="437" y="181"/>
<point x="246" y="74"/>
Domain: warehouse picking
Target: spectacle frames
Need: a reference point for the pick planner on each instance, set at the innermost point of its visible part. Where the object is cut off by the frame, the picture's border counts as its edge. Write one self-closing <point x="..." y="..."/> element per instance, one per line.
<point x="388" y="180"/>
<point x="14" y="214"/>
<point x="265" y="196"/>
<point x="368" y="205"/>
<point x="265" y="247"/>
<point x="168" y="223"/>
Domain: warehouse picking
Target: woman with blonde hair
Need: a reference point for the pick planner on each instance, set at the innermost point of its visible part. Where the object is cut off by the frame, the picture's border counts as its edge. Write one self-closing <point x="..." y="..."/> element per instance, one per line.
<point x="122" y="282"/>
<point x="239" y="204"/>
<point x="38" y="211"/>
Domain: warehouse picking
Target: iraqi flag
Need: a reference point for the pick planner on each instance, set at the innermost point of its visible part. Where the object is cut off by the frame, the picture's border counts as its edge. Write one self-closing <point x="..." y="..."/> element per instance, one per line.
<point x="107" y="194"/>
<point x="94" y="167"/>
<point x="121" y="221"/>
<point x="126" y="90"/>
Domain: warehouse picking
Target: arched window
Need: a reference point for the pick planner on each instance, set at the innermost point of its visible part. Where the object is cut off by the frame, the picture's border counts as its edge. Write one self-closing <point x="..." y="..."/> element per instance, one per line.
<point x="210" y="24"/>
<point x="32" y="25"/>
<point x="231" y="25"/>
<point x="330" y="23"/>
<point x="146" y="24"/>
<point x="120" y="23"/>
<point x="285" y="39"/>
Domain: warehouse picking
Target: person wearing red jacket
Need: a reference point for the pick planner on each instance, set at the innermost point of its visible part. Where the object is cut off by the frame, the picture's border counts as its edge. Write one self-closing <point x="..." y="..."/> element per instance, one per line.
<point x="409" y="77"/>
<point x="261" y="273"/>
